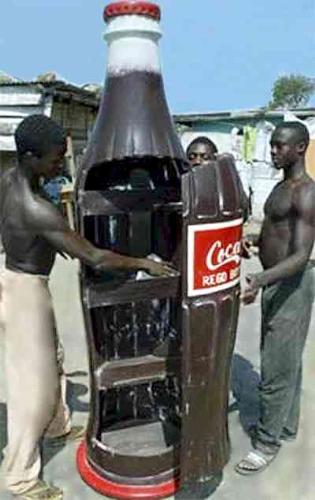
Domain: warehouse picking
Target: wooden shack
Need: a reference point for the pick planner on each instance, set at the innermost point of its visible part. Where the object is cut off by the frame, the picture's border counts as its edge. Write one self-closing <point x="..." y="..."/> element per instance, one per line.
<point x="75" y="108"/>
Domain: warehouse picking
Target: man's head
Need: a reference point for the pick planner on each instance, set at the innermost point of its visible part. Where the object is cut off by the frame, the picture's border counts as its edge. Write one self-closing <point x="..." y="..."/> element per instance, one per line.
<point x="201" y="150"/>
<point x="41" y="145"/>
<point x="288" y="144"/>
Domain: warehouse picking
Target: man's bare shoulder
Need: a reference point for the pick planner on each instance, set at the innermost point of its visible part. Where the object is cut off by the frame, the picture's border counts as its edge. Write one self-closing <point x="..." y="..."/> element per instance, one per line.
<point x="6" y="188"/>
<point x="305" y="187"/>
<point x="6" y="178"/>
<point x="43" y="215"/>
<point x="304" y="196"/>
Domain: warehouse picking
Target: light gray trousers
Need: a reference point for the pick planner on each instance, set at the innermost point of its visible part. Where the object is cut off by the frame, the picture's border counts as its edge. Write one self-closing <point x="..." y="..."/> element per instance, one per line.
<point x="35" y="384"/>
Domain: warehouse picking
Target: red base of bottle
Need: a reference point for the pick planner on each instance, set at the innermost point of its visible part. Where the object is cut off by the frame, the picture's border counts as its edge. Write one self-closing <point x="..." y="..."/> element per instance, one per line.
<point x="121" y="491"/>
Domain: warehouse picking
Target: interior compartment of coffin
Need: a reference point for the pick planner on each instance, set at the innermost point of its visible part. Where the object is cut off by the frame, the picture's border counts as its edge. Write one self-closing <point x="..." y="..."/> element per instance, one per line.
<point x="141" y="438"/>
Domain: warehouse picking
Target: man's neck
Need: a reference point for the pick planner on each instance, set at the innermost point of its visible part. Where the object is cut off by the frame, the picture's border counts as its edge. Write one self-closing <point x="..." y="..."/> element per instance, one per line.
<point x="295" y="171"/>
<point x="27" y="176"/>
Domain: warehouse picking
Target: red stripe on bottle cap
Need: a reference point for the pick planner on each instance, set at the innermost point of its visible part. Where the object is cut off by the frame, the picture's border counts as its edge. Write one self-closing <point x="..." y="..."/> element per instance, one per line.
<point x="132" y="7"/>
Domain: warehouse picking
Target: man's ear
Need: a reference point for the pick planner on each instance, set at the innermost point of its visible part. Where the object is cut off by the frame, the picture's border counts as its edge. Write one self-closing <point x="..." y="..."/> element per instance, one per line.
<point x="301" y="147"/>
<point x="30" y="159"/>
<point x="29" y="155"/>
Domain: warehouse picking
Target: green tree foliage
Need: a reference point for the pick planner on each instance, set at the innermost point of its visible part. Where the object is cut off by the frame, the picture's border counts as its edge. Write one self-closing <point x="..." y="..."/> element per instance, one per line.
<point x="292" y="91"/>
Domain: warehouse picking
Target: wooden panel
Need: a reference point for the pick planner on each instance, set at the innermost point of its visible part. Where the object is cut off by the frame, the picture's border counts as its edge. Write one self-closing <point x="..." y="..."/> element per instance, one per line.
<point x="7" y="143"/>
<point x="107" y="203"/>
<point x="8" y="125"/>
<point x="20" y="96"/>
<point x="19" y="111"/>
<point x="132" y="370"/>
<point x="102" y="295"/>
<point x="310" y="159"/>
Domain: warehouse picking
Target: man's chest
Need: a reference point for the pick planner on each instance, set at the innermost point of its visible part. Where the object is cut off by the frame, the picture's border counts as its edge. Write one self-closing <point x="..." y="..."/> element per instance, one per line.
<point x="279" y="204"/>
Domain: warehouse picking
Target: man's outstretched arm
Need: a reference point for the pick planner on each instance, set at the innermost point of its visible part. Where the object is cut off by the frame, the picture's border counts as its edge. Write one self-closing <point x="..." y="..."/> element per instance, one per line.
<point x="50" y="224"/>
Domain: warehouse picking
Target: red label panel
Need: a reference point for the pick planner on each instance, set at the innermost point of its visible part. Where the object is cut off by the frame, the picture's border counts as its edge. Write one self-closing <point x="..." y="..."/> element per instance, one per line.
<point x="214" y="261"/>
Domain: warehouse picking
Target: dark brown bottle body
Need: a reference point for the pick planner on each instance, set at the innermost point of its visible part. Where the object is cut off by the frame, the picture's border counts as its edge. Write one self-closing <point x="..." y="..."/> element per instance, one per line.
<point x="129" y="201"/>
<point x="159" y="355"/>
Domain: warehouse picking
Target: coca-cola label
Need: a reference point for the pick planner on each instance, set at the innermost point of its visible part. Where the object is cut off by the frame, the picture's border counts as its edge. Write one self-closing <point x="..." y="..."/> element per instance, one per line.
<point x="214" y="257"/>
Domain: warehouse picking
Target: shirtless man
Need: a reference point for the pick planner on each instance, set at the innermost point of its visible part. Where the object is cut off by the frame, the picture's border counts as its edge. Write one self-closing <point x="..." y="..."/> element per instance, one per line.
<point x="285" y="245"/>
<point x="33" y="231"/>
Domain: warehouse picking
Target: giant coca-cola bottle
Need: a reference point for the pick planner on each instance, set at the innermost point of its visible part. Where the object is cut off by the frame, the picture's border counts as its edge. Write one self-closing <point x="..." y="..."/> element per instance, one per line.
<point x="159" y="348"/>
<point x="129" y="200"/>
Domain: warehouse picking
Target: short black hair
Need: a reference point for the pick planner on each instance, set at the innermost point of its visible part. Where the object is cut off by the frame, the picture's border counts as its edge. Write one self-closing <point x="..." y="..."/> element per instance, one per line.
<point x="300" y="130"/>
<point x="203" y="140"/>
<point x="37" y="134"/>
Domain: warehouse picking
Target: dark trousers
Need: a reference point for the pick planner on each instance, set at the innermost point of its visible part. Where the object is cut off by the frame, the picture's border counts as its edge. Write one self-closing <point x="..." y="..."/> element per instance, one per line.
<point x="286" y="314"/>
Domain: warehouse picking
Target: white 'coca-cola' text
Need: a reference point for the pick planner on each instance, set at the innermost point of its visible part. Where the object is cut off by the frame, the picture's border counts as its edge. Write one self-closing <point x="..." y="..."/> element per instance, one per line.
<point x="218" y="256"/>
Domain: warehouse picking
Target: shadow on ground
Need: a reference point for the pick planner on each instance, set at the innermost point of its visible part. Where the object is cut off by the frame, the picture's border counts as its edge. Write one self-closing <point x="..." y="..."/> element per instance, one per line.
<point x="245" y="389"/>
<point x="74" y="392"/>
<point x="3" y="427"/>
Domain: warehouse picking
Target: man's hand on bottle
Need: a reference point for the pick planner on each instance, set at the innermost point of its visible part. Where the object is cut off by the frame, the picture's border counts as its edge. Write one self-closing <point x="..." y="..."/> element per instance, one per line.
<point x="251" y="291"/>
<point x="107" y="260"/>
<point x="163" y="269"/>
<point x="249" y="246"/>
<point x="246" y="248"/>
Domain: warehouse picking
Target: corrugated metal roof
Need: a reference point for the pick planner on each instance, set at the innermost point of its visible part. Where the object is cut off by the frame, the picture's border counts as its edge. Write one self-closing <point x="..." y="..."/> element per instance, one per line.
<point x="60" y="90"/>
<point x="186" y="118"/>
<point x="19" y="99"/>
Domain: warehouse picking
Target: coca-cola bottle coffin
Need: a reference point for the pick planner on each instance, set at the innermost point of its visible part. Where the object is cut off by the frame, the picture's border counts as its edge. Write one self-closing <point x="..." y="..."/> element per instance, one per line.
<point x="129" y="201"/>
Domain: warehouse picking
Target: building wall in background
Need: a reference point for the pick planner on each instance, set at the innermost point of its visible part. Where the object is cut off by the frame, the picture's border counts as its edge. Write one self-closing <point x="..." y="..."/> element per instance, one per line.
<point x="253" y="162"/>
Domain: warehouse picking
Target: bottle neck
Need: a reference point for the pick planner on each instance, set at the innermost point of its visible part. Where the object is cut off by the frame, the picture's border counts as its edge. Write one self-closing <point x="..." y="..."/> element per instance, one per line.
<point x="133" y="45"/>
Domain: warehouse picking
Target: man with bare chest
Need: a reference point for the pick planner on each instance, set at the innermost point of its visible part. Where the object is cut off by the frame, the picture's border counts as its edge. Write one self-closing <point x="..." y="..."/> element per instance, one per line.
<point x="285" y="245"/>
<point x="33" y="231"/>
